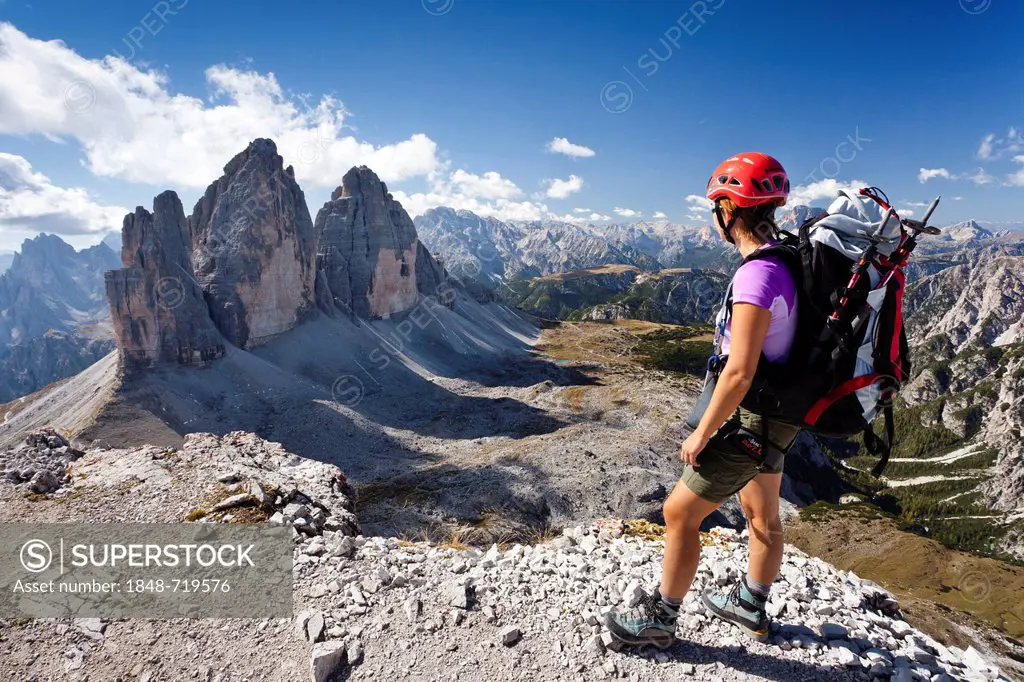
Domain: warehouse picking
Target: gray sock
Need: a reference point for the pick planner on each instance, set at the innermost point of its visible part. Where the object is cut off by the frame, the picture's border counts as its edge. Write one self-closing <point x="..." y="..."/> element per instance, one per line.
<point x="759" y="590"/>
<point x="673" y="604"/>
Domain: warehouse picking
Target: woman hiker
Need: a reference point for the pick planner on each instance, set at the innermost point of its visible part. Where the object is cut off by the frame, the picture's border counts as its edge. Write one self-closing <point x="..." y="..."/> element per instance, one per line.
<point x="746" y="189"/>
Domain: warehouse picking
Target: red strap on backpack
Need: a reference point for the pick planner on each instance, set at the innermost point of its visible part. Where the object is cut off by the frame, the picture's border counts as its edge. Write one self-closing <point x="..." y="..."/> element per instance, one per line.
<point x="838" y="393"/>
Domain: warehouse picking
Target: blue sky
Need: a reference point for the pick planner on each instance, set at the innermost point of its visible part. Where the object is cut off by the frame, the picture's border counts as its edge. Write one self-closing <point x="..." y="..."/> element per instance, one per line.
<point x="457" y="101"/>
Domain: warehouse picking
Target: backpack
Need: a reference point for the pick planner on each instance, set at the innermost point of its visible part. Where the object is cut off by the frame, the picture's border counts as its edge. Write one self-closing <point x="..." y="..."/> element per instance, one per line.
<point x="849" y="355"/>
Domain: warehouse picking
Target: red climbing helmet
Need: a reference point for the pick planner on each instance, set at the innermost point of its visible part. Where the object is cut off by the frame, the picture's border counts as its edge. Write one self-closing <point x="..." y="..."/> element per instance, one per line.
<point x="750" y="179"/>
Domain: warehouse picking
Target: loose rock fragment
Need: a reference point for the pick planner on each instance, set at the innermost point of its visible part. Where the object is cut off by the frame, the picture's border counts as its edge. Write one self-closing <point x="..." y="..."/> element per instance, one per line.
<point x="412" y="609"/>
<point x="510" y="635"/>
<point x="326" y="661"/>
<point x="315" y="627"/>
<point x="44" y="482"/>
<point x="456" y="594"/>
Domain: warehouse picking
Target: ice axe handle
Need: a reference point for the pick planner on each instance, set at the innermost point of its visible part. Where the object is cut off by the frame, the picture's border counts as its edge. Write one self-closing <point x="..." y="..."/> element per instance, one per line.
<point x="931" y="209"/>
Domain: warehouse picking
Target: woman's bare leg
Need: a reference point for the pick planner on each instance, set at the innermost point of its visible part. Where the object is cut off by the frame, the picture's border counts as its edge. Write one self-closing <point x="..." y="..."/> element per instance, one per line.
<point x="760" y="501"/>
<point x="745" y="604"/>
<point x="684" y="512"/>
<point x="653" y="620"/>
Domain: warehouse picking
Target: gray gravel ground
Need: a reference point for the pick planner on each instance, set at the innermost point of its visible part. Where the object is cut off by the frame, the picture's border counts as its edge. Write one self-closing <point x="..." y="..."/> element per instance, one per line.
<point x="375" y="607"/>
<point x="379" y="608"/>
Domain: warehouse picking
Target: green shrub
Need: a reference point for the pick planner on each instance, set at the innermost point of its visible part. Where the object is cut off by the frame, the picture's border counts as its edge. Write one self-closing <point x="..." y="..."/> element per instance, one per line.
<point x="675" y="350"/>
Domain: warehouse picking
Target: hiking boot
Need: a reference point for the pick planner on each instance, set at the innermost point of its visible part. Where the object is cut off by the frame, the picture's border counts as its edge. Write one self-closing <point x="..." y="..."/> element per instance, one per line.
<point x="651" y="621"/>
<point x="741" y="607"/>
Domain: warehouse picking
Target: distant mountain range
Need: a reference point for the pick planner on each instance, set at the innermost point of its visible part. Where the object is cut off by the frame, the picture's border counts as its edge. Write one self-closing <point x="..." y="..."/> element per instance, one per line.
<point x="51" y="286"/>
<point x="494" y="251"/>
<point x="54" y="320"/>
<point x="52" y="291"/>
<point x="1003" y="225"/>
<point x="502" y="255"/>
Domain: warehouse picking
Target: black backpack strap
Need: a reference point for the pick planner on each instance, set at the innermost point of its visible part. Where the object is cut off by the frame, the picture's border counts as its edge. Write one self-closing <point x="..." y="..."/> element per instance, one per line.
<point x="806" y="250"/>
<point x="881" y="447"/>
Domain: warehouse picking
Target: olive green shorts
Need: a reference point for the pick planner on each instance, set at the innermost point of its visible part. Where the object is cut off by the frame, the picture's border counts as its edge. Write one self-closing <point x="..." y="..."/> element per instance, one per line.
<point x="723" y="469"/>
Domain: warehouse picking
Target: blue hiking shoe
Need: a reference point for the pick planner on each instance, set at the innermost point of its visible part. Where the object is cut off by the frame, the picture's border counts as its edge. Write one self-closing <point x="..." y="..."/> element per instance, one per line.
<point x="651" y="621"/>
<point x="741" y="607"/>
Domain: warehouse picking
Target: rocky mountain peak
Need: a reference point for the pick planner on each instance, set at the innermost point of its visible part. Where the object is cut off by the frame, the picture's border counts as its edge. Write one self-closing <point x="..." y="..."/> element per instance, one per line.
<point x="249" y="264"/>
<point x="253" y="247"/>
<point x="792" y="217"/>
<point x="44" y="245"/>
<point x="48" y="261"/>
<point x="352" y="583"/>
<point x="156" y="304"/>
<point x="260" y="147"/>
<point x="359" y="180"/>
<point x="372" y="262"/>
<point x="969" y="230"/>
<point x="145" y="234"/>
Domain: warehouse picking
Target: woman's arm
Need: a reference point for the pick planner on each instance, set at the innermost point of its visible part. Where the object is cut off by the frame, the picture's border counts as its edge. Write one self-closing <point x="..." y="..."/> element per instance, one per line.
<point x="748" y="328"/>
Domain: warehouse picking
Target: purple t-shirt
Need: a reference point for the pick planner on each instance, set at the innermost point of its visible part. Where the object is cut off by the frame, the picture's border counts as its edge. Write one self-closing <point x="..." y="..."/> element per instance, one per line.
<point x="767" y="284"/>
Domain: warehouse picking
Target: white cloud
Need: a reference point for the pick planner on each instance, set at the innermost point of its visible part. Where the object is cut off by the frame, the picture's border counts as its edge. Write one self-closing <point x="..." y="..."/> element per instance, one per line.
<point x="985" y="149"/>
<point x="699" y="202"/>
<point x="658" y="215"/>
<point x="1016" y="179"/>
<point x="981" y="177"/>
<point x="561" y="189"/>
<point x="993" y="147"/>
<point x="905" y="212"/>
<point x="626" y="212"/>
<point x="131" y="125"/>
<point x="822" y="189"/>
<point x="489" y="195"/>
<point x="488" y="186"/>
<point x="30" y="203"/>
<point x="918" y="204"/>
<point x="697" y="218"/>
<point x="561" y="145"/>
<point x="927" y="174"/>
<point x="957" y="198"/>
<point x="577" y="219"/>
<point x="581" y="210"/>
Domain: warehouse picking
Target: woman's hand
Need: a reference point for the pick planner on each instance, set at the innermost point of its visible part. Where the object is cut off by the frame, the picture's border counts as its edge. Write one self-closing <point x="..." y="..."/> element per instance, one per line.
<point x="692" y="447"/>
